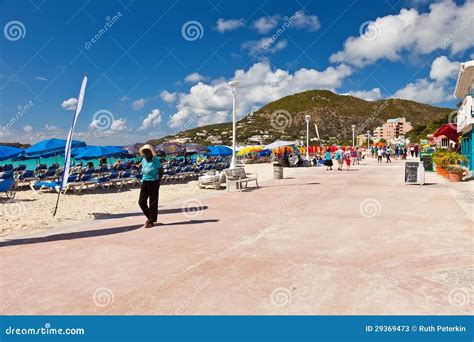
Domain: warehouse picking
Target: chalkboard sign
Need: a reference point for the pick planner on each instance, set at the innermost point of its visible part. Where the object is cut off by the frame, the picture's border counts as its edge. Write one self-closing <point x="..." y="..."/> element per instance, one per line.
<point x="427" y="161"/>
<point x="411" y="169"/>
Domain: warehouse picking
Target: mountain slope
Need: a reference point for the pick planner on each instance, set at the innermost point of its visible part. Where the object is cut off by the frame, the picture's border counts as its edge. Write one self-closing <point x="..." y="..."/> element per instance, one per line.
<point x="334" y="114"/>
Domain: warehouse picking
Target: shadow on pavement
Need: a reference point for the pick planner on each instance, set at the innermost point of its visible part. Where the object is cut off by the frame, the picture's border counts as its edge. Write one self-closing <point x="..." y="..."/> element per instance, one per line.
<point x="93" y="233"/>
<point x="70" y="236"/>
<point x="108" y="216"/>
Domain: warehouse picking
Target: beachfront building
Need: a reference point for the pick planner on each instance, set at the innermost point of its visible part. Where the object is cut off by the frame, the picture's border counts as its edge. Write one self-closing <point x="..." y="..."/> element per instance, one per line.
<point x="465" y="117"/>
<point x="392" y="129"/>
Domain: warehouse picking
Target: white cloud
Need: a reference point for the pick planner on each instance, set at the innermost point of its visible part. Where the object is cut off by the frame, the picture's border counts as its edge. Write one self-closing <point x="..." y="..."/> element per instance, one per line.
<point x="194" y="78"/>
<point x="368" y="95"/>
<point x="27" y="128"/>
<point x="305" y="22"/>
<point x="52" y="129"/>
<point x="259" y="85"/>
<point x="264" y="25"/>
<point x="115" y="126"/>
<point x="152" y="120"/>
<point x="224" y="25"/>
<point x="443" y="69"/>
<point x="435" y="90"/>
<point x="446" y="26"/>
<point x="138" y="104"/>
<point x="264" y="46"/>
<point x="69" y="104"/>
<point x="167" y="96"/>
<point x="41" y="78"/>
<point x="422" y="90"/>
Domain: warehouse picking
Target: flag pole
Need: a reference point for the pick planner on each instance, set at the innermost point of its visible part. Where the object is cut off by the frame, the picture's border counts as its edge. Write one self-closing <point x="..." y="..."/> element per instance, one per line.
<point x="67" y="149"/>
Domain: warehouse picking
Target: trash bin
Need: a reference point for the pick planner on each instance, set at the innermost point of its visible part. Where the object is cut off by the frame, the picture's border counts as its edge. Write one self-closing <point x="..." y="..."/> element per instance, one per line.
<point x="277" y="171"/>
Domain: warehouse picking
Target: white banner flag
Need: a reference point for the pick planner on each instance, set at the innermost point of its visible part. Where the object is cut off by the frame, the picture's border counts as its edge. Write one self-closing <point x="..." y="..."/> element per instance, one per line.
<point x="67" y="150"/>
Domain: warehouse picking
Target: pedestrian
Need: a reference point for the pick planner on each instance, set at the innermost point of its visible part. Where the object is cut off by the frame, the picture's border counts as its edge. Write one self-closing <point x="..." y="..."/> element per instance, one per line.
<point x="379" y="155"/>
<point x="328" y="160"/>
<point x="397" y="151"/>
<point x="152" y="172"/>
<point x="416" y="149"/>
<point x="347" y="157"/>
<point x="340" y="158"/>
<point x="412" y="151"/>
<point x="387" y="155"/>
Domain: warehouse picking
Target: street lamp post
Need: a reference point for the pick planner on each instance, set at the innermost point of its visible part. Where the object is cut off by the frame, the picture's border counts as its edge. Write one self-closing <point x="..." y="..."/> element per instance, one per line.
<point x="307" y="118"/>
<point x="353" y="135"/>
<point x="233" y="86"/>
<point x="368" y="140"/>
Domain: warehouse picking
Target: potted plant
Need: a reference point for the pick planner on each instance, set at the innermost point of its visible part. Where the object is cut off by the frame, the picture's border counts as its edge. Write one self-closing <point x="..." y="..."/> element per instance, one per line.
<point x="439" y="158"/>
<point x="455" y="173"/>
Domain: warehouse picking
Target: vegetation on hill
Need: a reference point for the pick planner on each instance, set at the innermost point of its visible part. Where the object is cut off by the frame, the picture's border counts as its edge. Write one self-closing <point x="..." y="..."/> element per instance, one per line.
<point x="334" y="114"/>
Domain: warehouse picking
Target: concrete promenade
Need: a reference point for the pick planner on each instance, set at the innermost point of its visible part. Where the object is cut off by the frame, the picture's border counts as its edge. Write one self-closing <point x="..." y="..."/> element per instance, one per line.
<point x="317" y="242"/>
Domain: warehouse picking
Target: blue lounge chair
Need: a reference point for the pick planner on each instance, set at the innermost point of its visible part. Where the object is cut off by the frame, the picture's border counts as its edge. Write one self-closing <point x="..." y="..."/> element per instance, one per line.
<point x="55" y="185"/>
<point x="6" y="186"/>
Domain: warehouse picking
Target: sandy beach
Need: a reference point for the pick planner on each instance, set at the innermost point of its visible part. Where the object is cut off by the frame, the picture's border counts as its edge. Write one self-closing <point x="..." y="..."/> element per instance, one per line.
<point x="31" y="212"/>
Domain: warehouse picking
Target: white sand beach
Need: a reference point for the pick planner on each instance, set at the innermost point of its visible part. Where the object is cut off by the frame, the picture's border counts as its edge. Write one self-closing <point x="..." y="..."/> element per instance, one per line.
<point x="31" y="212"/>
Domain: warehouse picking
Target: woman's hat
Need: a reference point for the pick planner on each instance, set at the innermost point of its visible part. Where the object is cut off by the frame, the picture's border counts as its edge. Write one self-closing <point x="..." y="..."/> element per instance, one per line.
<point x="147" y="147"/>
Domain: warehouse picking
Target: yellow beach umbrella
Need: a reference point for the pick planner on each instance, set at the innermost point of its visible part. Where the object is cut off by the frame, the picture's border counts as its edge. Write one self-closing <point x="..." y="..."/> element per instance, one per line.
<point x="249" y="149"/>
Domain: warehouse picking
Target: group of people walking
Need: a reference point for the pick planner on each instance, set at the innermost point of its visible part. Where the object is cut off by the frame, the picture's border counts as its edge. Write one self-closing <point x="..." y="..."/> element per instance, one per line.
<point x="347" y="157"/>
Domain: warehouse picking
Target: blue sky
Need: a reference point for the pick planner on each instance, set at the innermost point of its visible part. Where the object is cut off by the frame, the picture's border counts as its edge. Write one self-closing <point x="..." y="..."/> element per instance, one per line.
<point x="155" y="68"/>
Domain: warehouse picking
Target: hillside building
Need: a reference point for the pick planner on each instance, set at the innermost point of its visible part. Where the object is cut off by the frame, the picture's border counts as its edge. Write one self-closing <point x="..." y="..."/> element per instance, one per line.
<point x="392" y="129"/>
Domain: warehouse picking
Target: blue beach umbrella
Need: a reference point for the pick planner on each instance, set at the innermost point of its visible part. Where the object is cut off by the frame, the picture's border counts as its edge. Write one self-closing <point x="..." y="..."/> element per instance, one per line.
<point x="219" y="150"/>
<point x="95" y="152"/>
<point x="49" y="148"/>
<point x="8" y="152"/>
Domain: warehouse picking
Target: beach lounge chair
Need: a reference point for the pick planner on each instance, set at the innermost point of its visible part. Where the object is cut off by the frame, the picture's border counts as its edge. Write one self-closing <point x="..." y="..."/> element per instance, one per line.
<point x="240" y="178"/>
<point x="27" y="178"/>
<point x="44" y="185"/>
<point x="213" y="179"/>
<point x="6" y="186"/>
<point x="6" y="175"/>
<point x="7" y="167"/>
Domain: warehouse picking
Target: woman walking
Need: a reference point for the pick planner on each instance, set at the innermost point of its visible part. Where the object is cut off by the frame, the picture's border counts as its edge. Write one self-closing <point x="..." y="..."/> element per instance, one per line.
<point x="328" y="160"/>
<point x="152" y="171"/>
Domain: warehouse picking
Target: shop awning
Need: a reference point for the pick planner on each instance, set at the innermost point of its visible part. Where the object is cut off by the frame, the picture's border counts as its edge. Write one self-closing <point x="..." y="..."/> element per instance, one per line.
<point x="449" y="131"/>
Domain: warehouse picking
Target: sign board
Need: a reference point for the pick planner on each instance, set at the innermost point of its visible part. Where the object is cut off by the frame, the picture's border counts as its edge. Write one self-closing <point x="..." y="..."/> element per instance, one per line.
<point x="427" y="161"/>
<point x="411" y="169"/>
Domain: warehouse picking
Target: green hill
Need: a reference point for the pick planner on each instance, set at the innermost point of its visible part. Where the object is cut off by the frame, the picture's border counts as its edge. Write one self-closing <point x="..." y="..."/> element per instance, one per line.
<point x="334" y="114"/>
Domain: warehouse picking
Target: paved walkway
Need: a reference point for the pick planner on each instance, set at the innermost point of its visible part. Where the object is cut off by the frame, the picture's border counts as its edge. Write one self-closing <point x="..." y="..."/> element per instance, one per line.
<point x="357" y="242"/>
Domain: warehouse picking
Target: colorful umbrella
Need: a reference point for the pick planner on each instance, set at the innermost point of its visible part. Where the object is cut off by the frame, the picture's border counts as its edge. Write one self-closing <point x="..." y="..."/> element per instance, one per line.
<point x="195" y="148"/>
<point x="249" y="149"/>
<point x="171" y="148"/>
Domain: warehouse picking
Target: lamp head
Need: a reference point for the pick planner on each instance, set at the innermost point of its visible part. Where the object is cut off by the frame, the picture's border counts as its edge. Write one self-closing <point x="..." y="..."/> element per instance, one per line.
<point x="233" y="86"/>
<point x="307" y="118"/>
<point x="353" y="127"/>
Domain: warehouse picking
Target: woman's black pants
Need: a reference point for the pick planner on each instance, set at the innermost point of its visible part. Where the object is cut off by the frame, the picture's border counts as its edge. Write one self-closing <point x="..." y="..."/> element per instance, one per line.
<point x="149" y="192"/>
